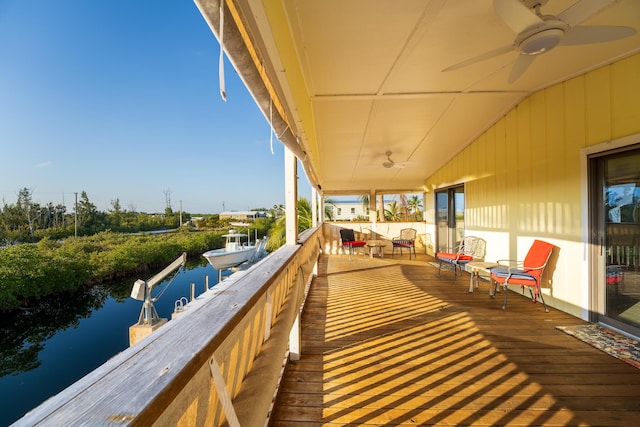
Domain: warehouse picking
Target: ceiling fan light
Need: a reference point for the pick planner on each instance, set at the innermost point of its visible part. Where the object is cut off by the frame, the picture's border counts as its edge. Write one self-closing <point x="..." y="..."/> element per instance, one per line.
<point x="388" y="163"/>
<point x="540" y="42"/>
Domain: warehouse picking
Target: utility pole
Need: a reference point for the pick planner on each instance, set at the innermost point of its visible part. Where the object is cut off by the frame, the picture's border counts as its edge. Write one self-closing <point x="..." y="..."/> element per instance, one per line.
<point x="167" y="198"/>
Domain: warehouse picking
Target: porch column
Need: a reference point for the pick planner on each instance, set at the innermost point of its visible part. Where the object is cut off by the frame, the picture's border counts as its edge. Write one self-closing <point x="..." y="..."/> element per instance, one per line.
<point x="291" y="196"/>
<point x="291" y="224"/>
<point x="314" y="207"/>
<point x="373" y="215"/>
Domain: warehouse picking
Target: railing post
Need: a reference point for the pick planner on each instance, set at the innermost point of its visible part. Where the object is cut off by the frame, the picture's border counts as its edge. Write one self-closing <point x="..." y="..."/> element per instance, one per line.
<point x="295" y="339"/>
<point x="295" y="335"/>
<point x="268" y="314"/>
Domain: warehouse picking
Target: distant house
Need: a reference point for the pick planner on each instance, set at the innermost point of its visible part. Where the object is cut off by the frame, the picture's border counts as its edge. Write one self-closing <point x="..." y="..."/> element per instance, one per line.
<point x="242" y="215"/>
<point x="349" y="210"/>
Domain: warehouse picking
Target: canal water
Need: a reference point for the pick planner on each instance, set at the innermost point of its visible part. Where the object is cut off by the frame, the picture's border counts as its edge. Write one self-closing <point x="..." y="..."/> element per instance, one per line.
<point x="45" y="350"/>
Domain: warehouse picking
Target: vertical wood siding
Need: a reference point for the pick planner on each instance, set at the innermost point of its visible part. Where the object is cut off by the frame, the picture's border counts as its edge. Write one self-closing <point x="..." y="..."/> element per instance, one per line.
<point x="523" y="177"/>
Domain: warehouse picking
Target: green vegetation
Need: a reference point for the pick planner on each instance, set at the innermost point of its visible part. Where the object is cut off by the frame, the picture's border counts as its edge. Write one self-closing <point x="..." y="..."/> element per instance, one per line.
<point x="55" y="262"/>
<point x="29" y="221"/>
<point x="277" y="233"/>
<point x="33" y="271"/>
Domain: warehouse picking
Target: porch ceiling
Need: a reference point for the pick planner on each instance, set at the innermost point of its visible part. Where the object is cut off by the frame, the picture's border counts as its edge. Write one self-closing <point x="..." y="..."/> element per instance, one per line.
<point x="362" y="77"/>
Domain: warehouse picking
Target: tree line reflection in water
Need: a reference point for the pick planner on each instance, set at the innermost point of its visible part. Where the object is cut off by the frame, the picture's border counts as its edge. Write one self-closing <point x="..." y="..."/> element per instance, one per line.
<point x="79" y="319"/>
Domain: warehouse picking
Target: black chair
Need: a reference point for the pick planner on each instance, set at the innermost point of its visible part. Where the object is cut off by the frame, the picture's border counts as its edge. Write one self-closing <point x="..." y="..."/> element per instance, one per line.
<point x="349" y="242"/>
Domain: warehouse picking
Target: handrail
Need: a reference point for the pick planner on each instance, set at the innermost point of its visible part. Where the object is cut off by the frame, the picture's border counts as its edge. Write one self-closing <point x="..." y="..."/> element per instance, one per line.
<point x="242" y="326"/>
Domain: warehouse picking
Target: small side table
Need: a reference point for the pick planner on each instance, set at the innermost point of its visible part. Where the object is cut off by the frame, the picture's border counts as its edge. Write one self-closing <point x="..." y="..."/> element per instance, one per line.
<point x="375" y="245"/>
<point x="475" y="267"/>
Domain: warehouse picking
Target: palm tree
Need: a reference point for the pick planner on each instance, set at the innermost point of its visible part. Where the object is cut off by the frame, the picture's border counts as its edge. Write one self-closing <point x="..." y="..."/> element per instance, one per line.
<point x="304" y="214"/>
<point x="276" y="211"/>
<point x="364" y="199"/>
<point x="392" y="212"/>
<point x="329" y="205"/>
<point x="404" y="207"/>
<point x="277" y="233"/>
<point x="414" y="204"/>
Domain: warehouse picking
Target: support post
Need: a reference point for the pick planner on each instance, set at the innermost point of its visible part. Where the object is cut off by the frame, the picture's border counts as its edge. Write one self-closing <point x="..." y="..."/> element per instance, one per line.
<point x="291" y="196"/>
<point x="314" y="207"/>
<point x="373" y="215"/>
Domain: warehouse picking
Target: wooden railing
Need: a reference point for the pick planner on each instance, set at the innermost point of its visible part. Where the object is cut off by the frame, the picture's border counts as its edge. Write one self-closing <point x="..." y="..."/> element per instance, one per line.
<point x="218" y="362"/>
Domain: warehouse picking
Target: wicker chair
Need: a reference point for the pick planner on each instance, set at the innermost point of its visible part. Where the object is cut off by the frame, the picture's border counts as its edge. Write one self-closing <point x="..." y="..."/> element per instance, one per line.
<point x="469" y="249"/>
<point x="406" y="240"/>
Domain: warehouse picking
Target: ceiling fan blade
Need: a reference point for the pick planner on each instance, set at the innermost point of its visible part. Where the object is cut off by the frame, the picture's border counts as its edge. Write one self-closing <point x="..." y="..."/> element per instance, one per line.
<point x="583" y="34"/>
<point x="487" y="55"/>
<point x="522" y="63"/>
<point x="516" y="15"/>
<point x="583" y="10"/>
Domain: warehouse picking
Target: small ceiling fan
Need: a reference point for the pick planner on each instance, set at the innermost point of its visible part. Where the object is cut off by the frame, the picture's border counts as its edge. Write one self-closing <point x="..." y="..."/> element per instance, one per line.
<point x="390" y="163"/>
<point x="537" y="33"/>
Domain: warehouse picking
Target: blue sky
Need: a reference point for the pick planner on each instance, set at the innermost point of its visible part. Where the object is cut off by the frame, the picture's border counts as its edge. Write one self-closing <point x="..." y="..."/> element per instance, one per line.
<point x="120" y="99"/>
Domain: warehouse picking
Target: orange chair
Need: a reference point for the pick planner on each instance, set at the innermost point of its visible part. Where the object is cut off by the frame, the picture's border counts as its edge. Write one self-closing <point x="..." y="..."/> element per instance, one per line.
<point x="469" y="249"/>
<point x="349" y="241"/>
<point x="525" y="273"/>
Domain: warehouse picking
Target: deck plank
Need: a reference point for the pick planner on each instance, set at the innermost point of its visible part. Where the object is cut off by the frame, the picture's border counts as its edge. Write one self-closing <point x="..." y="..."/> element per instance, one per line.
<point x="387" y="342"/>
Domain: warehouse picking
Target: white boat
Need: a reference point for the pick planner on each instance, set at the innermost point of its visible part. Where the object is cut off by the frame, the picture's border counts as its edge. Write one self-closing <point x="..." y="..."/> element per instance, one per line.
<point x="233" y="253"/>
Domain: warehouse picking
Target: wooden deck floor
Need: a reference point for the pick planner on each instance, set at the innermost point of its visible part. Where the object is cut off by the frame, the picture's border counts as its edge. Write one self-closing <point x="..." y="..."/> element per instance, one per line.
<point x="387" y="342"/>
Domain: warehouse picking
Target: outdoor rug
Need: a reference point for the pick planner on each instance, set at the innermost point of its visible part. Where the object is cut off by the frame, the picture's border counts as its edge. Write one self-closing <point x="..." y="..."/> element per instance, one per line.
<point x="613" y="343"/>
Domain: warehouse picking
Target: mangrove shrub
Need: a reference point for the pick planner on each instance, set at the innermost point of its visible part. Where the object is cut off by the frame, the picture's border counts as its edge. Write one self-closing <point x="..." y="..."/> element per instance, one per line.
<point x="33" y="271"/>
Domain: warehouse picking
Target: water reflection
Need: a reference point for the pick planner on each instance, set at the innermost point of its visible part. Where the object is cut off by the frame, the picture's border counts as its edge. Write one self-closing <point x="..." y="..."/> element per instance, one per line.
<point x="22" y="334"/>
<point x="45" y="349"/>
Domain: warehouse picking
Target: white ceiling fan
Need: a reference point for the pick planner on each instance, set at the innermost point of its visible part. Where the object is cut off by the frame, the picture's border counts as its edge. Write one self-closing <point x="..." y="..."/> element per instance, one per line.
<point x="537" y="33"/>
<point x="390" y="163"/>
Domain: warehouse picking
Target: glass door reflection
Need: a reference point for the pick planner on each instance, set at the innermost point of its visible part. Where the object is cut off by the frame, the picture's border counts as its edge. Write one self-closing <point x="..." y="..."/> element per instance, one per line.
<point x="449" y="217"/>
<point x="618" y="183"/>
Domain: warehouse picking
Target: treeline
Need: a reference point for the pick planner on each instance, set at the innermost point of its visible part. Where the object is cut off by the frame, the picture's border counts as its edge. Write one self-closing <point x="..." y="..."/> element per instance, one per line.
<point x="29" y="221"/>
<point x="30" y="272"/>
<point x="50" y="260"/>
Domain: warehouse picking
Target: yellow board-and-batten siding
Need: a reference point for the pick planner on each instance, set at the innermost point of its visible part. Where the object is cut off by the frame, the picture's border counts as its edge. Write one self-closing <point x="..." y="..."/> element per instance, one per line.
<point x="523" y="177"/>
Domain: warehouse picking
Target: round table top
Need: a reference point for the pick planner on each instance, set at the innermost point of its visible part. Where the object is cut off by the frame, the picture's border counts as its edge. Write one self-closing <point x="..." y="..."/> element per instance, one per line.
<point x="375" y="243"/>
<point x="481" y="265"/>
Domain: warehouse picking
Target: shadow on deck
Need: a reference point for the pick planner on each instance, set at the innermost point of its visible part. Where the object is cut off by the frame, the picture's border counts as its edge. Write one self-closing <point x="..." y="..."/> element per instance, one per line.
<point x="387" y="342"/>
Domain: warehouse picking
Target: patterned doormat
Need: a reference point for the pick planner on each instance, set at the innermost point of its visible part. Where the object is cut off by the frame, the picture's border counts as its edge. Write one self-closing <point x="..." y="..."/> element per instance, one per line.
<point x="613" y="343"/>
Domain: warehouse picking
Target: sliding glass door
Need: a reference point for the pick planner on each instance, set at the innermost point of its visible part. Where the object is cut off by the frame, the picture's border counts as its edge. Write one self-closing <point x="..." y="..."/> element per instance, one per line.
<point x="615" y="219"/>
<point x="449" y="217"/>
